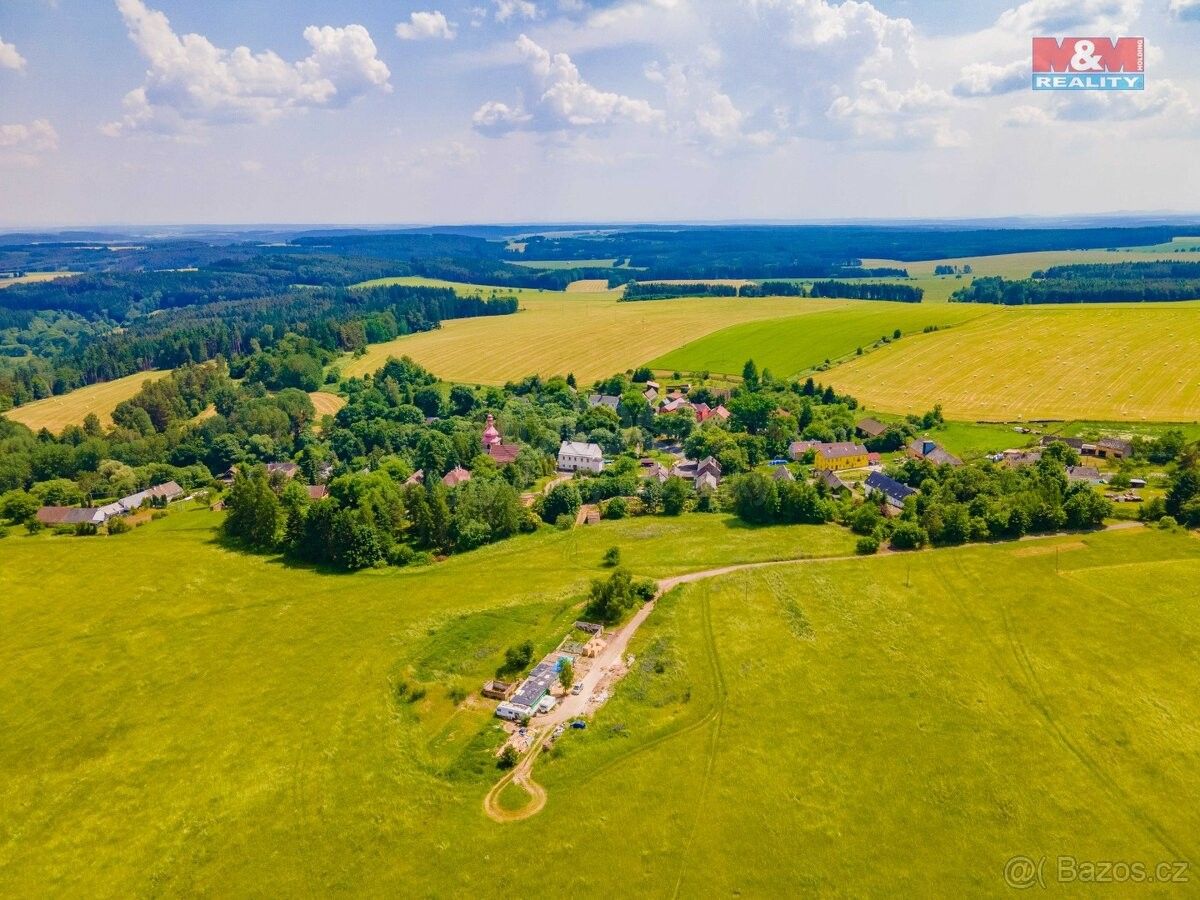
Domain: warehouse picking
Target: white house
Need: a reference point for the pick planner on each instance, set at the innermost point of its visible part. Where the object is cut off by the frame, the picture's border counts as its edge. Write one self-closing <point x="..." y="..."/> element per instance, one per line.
<point x="574" y="455"/>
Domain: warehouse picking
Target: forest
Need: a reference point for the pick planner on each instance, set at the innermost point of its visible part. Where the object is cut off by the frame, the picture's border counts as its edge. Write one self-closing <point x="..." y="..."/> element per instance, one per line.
<point x="1128" y="282"/>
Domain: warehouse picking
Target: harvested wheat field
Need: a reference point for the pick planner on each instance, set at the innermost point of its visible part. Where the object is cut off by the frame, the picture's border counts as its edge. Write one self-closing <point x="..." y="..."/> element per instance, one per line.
<point x="55" y="413"/>
<point x="1134" y="363"/>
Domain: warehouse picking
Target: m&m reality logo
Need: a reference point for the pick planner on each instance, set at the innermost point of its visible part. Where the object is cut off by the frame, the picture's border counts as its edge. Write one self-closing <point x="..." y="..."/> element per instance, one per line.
<point x="1089" y="64"/>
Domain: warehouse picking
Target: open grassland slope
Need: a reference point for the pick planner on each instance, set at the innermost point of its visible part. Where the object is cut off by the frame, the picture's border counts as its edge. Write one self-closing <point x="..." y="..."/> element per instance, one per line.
<point x="590" y="334"/>
<point x="56" y="413"/>
<point x="882" y="725"/>
<point x="789" y="346"/>
<point x="1135" y="363"/>
<point x="182" y="718"/>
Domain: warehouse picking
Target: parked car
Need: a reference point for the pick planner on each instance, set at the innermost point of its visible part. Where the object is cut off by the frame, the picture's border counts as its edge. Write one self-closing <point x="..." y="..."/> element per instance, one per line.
<point x="577" y="688"/>
<point x="579" y="723"/>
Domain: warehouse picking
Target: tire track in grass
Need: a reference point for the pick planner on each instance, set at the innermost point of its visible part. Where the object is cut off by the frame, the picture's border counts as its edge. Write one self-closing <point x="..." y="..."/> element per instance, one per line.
<point x="718" y="675"/>
<point x="1027" y="685"/>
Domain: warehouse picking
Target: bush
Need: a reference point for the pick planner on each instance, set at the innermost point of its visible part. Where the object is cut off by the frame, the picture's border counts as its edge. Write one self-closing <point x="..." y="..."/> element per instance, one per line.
<point x="616" y="508"/>
<point x="118" y="526"/>
<point x="909" y="536"/>
<point x="645" y="590"/>
<point x="457" y="693"/>
<point x="1168" y="523"/>
<point x="564" y="522"/>
<point x="508" y="757"/>
<point x="158" y="514"/>
<point x="867" y="545"/>
<point x="416" y="695"/>
<point x="33" y="526"/>
<point x="612" y="557"/>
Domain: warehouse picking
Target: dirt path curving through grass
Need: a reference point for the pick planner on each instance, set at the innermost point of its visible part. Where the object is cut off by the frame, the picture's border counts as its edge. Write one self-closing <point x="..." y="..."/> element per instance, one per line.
<point x="574" y="706"/>
<point x="520" y="776"/>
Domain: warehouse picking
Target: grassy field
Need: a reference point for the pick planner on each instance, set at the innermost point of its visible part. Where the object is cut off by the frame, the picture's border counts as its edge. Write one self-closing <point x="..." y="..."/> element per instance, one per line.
<point x="590" y="334"/>
<point x="790" y="346"/>
<point x="1133" y="363"/>
<point x="56" y="413"/>
<point x="223" y="721"/>
<point x="869" y="726"/>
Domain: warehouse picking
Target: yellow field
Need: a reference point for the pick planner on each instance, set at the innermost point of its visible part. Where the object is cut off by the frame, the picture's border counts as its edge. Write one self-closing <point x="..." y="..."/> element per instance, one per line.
<point x="31" y="277"/>
<point x="938" y="288"/>
<point x="1108" y="362"/>
<point x="588" y="286"/>
<point x="56" y="413"/>
<point x="590" y="334"/>
<point x="326" y="404"/>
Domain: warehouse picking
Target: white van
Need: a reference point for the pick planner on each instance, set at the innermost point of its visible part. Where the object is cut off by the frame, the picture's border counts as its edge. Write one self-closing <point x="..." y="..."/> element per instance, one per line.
<point x="548" y="703"/>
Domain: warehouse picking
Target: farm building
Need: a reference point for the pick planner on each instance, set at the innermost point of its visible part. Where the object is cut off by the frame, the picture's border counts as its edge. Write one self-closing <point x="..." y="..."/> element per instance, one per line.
<point x="835" y="457"/>
<point x="604" y="400"/>
<point x="574" y="456"/>
<point x="1014" y="459"/>
<point x="797" y="449"/>
<point x="924" y="448"/>
<point x="1109" y="448"/>
<point x="61" y="515"/>
<point x="417" y="477"/>
<point x="894" y="493"/>
<point x="68" y="515"/>
<point x="1073" y="443"/>
<point x="831" y="480"/>
<point x="870" y="428"/>
<point x="317" y="491"/>
<point x="1089" y="474"/>
<point x="782" y="473"/>
<point x="498" y="690"/>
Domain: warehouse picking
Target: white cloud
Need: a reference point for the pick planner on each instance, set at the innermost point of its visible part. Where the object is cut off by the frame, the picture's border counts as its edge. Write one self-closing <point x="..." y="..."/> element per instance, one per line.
<point x="988" y="79"/>
<point x="521" y="9"/>
<point x="698" y="109"/>
<point x="190" y="82"/>
<point x="25" y="145"/>
<point x="1050" y="17"/>
<point x="877" y="113"/>
<point x="563" y="101"/>
<point x="9" y="57"/>
<point x="426" y="26"/>
<point x="1025" y="116"/>
<point x="1186" y="10"/>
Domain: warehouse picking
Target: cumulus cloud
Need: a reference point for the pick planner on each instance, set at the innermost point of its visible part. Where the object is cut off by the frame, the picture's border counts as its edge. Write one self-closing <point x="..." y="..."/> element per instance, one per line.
<point x="25" y="145"/>
<point x="1060" y="16"/>
<point x="1186" y="10"/>
<point x="422" y="26"/>
<point x="877" y="113"/>
<point x="699" y="110"/>
<point x="520" y="9"/>
<point x="563" y="100"/>
<point x="989" y="80"/>
<point x="191" y="82"/>
<point x="9" y="57"/>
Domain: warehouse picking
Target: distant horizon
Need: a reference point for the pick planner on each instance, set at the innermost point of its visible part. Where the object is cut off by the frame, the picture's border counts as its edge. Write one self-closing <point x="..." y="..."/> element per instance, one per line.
<point x="1127" y="219"/>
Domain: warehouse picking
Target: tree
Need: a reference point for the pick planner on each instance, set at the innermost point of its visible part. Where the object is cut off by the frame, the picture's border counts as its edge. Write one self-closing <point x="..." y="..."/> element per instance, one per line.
<point x="462" y="400"/>
<point x="19" y="506"/>
<point x="750" y="375"/>
<point x="253" y="509"/>
<point x="516" y="659"/>
<point x="755" y="498"/>
<point x="610" y="600"/>
<point x="674" y="496"/>
<point x="612" y="557"/>
<point x="562" y="500"/>
<point x="508" y="758"/>
<point x="566" y="674"/>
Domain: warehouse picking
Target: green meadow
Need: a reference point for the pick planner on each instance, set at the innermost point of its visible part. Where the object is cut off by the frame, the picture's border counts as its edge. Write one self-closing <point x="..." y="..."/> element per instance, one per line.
<point x="182" y="718"/>
<point x="788" y="346"/>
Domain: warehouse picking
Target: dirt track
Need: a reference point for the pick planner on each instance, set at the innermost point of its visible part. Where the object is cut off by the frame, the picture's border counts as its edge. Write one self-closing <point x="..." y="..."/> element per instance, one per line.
<point x="573" y="706"/>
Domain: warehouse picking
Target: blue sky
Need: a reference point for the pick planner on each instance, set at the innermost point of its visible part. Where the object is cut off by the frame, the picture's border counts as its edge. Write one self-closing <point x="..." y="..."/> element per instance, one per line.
<point x="347" y="111"/>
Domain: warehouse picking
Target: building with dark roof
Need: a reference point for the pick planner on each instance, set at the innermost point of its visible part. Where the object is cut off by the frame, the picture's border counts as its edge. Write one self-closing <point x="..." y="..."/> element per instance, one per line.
<point x="870" y="428"/>
<point x="894" y="493"/>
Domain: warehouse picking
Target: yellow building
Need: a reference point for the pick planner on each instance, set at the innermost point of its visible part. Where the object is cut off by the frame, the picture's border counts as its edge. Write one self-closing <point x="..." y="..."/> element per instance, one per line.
<point x="835" y="457"/>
